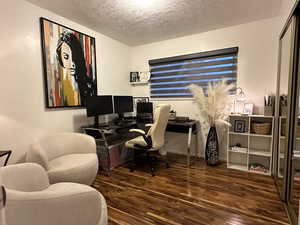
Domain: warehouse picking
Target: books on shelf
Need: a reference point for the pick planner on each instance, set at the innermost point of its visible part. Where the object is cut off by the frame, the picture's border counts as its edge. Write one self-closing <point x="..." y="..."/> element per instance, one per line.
<point x="238" y="149"/>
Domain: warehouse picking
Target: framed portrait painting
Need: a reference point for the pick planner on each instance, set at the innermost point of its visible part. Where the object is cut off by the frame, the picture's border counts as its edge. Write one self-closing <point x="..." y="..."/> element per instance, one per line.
<point x="69" y="60"/>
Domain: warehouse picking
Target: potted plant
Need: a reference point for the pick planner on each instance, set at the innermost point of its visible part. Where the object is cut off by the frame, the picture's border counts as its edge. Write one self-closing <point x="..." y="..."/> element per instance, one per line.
<point x="214" y="109"/>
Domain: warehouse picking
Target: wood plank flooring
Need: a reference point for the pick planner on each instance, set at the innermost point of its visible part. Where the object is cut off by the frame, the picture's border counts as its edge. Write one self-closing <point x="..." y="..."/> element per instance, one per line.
<point x="200" y="195"/>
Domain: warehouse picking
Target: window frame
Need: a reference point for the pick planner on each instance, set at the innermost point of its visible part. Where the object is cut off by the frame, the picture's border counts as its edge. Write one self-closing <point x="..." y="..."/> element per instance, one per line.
<point x="214" y="53"/>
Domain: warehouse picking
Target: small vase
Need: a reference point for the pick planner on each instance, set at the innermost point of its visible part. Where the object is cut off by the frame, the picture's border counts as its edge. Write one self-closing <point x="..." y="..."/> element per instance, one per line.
<point x="212" y="147"/>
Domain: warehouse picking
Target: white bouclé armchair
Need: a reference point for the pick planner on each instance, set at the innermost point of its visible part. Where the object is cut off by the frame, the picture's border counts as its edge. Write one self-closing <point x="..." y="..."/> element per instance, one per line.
<point x="67" y="157"/>
<point x="31" y="200"/>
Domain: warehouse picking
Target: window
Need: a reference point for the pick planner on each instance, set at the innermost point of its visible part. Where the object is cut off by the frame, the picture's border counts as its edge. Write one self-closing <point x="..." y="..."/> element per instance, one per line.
<point x="170" y="77"/>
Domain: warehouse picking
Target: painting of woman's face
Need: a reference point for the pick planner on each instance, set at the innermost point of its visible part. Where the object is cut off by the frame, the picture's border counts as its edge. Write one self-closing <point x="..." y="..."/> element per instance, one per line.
<point x="67" y="60"/>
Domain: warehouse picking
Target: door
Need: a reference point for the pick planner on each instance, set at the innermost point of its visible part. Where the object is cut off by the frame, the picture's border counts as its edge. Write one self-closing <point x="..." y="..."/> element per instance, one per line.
<point x="293" y="158"/>
<point x="283" y="104"/>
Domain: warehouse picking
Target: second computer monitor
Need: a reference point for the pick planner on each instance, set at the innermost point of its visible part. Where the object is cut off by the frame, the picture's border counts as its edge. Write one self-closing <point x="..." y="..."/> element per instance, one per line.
<point x="144" y="107"/>
<point x="123" y="104"/>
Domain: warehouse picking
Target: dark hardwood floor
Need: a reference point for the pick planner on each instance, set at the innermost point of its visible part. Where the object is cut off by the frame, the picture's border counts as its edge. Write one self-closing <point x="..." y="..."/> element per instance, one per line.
<point x="199" y="195"/>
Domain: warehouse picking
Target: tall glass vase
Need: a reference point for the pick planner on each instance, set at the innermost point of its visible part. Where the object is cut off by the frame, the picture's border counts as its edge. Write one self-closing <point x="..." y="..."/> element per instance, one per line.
<point x="212" y="147"/>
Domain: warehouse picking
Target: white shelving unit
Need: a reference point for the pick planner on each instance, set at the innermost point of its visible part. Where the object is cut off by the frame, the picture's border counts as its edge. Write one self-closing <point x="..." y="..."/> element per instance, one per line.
<point x="282" y="142"/>
<point x="254" y="148"/>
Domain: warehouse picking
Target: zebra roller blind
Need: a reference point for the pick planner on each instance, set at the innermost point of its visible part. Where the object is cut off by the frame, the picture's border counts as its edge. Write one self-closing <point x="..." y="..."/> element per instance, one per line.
<point x="170" y="77"/>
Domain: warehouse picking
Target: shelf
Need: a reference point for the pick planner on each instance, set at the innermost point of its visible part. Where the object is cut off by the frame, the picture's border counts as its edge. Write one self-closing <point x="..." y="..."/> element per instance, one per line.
<point x="250" y="134"/>
<point x="255" y="116"/>
<point x="283" y="137"/>
<point x="238" y="115"/>
<point x="260" y="135"/>
<point x="236" y="133"/>
<point x="238" y="167"/>
<point x="260" y="153"/>
<point x="261" y="116"/>
<point x="238" y="151"/>
<point x="258" y="172"/>
<point x="297" y="154"/>
<point x="139" y="83"/>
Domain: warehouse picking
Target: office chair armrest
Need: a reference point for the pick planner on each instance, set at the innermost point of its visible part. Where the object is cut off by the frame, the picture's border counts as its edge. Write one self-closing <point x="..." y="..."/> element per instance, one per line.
<point x="138" y="131"/>
<point x="147" y="139"/>
<point x="149" y="125"/>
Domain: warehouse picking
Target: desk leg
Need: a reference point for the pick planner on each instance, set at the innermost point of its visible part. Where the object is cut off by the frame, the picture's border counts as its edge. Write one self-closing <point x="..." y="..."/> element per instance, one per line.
<point x="108" y="153"/>
<point x="196" y="146"/>
<point x="189" y="147"/>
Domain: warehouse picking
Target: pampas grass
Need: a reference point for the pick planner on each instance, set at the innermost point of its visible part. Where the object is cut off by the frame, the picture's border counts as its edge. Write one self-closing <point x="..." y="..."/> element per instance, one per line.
<point x="214" y="108"/>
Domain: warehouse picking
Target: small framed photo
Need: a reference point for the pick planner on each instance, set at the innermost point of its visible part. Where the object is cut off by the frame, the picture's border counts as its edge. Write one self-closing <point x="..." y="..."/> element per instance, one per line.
<point x="134" y="76"/>
<point x="240" y="126"/>
<point x="248" y="108"/>
<point x="140" y="99"/>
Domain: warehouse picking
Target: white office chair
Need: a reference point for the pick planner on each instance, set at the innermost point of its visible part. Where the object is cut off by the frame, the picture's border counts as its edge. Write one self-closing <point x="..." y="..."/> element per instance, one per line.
<point x="153" y="141"/>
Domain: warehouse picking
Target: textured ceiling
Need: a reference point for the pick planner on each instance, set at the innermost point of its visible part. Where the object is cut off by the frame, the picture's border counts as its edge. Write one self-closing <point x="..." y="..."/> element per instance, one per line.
<point x="137" y="22"/>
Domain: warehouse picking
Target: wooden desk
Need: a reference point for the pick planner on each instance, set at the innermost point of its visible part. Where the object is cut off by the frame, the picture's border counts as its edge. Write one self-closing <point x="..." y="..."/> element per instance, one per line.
<point x="186" y="127"/>
<point x="110" y="143"/>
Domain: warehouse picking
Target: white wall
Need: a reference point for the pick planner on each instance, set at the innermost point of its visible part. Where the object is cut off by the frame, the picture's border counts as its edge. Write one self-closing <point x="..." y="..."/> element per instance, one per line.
<point x="257" y="59"/>
<point x="21" y="86"/>
<point x="22" y="91"/>
<point x="257" y="42"/>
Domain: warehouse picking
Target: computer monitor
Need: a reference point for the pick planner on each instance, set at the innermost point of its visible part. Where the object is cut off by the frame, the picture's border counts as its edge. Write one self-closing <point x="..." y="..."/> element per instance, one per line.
<point x="144" y="112"/>
<point x="99" y="105"/>
<point x="144" y="107"/>
<point x="123" y="104"/>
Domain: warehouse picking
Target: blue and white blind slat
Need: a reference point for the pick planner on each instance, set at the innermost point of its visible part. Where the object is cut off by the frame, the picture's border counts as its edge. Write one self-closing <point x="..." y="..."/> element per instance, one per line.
<point x="170" y="77"/>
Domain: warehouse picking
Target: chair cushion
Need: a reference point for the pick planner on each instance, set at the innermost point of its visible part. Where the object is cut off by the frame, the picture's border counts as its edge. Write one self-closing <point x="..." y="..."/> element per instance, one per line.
<point x="24" y="177"/>
<point x="36" y="154"/>
<point x="138" y="140"/>
<point x="77" y="168"/>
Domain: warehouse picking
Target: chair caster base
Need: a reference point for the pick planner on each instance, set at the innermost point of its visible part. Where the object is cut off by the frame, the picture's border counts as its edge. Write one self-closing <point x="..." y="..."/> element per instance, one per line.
<point x="132" y="167"/>
<point x="152" y="172"/>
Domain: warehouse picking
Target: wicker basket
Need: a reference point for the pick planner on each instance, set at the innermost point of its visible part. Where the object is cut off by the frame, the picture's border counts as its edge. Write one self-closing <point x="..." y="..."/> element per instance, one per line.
<point x="283" y="129"/>
<point x="261" y="128"/>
